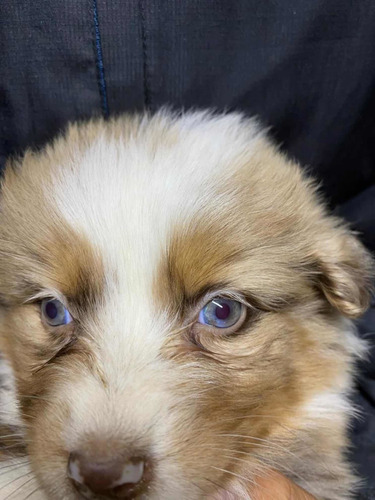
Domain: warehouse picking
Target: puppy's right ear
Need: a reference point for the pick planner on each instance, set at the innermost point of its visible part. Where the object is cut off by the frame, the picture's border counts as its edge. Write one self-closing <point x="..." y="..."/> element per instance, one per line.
<point x="345" y="269"/>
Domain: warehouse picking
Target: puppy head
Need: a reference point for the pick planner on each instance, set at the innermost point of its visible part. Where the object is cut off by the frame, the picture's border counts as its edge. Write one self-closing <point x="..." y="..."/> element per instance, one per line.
<point x="171" y="294"/>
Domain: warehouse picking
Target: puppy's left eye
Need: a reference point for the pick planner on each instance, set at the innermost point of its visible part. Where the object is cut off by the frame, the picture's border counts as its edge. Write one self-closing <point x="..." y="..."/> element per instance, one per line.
<point x="55" y="313"/>
<point x="223" y="313"/>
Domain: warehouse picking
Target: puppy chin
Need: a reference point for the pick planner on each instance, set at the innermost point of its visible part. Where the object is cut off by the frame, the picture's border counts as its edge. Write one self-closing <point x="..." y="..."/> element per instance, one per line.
<point x="176" y="302"/>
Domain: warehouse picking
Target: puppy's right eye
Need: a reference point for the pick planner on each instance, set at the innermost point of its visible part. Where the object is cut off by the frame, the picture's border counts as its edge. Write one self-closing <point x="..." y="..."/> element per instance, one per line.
<point x="224" y="314"/>
<point x="54" y="313"/>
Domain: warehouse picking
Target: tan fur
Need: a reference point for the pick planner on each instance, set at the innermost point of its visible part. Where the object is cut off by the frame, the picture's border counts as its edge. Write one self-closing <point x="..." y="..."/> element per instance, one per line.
<point x="211" y="407"/>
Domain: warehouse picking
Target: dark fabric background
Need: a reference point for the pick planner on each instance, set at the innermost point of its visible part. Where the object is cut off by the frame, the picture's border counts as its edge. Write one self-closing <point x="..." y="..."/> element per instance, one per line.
<point x="305" y="67"/>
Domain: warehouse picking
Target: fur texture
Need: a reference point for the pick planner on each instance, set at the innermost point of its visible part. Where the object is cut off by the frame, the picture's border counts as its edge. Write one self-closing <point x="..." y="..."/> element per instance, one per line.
<point x="135" y="224"/>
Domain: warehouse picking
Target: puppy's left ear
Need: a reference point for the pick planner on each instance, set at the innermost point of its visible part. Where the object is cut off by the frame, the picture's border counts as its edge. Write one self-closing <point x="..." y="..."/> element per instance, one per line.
<point x="345" y="269"/>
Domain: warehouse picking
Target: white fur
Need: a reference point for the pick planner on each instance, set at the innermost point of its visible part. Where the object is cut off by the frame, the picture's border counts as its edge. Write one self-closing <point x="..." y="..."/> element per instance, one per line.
<point x="330" y="405"/>
<point x="9" y="411"/>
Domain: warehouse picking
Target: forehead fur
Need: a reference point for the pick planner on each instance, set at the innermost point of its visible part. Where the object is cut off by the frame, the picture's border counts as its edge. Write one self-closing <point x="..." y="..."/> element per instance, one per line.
<point x="135" y="186"/>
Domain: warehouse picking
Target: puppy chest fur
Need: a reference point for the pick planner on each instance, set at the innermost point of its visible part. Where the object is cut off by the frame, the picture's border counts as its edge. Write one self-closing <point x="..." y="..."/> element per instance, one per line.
<point x="133" y="228"/>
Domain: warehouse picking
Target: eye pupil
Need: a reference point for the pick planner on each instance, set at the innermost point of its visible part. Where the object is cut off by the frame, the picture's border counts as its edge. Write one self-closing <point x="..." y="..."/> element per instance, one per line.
<point x="51" y="310"/>
<point x="222" y="311"/>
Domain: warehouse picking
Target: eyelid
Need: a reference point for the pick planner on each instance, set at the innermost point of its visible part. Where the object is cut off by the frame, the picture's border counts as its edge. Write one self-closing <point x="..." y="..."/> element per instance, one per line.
<point x="51" y="295"/>
<point x="47" y="294"/>
<point x="224" y="294"/>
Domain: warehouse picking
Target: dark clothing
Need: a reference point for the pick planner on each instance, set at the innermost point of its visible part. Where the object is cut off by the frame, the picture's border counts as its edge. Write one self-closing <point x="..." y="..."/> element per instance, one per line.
<point x="305" y="67"/>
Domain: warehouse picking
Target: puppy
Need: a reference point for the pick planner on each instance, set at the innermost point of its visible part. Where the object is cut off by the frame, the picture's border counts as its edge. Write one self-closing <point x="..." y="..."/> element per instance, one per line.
<point x="175" y="310"/>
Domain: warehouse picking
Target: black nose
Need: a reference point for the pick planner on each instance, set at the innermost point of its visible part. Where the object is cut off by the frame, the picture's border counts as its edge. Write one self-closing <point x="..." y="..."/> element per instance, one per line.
<point x="117" y="478"/>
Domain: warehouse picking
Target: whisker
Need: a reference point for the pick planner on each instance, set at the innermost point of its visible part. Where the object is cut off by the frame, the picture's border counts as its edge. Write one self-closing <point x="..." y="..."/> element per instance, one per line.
<point x="236" y="458"/>
<point x="254" y="456"/>
<point x="32" y="396"/>
<point x="19" y="487"/>
<point x="266" y="467"/>
<point x="267" y="441"/>
<point x="14" y="480"/>
<point x="32" y="493"/>
<point x="6" y="455"/>
<point x="14" y="465"/>
<point x="268" y="462"/>
<point x="20" y="413"/>
<point x="221" y="487"/>
<point x="275" y="464"/>
<point x="200" y="488"/>
<point x="234" y="474"/>
<point x="10" y="446"/>
<point x="6" y="436"/>
<point x="293" y="432"/>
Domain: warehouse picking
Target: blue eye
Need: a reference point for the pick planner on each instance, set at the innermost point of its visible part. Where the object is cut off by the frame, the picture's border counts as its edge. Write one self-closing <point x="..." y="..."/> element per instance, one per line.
<point x="222" y="313"/>
<point x="55" y="313"/>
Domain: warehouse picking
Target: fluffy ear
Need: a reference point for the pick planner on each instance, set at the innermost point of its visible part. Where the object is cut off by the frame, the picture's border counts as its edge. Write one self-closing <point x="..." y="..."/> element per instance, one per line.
<point x="345" y="269"/>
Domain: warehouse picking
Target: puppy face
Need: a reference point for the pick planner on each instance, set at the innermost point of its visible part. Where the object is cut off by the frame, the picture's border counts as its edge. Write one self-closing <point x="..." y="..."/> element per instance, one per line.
<point x="172" y="299"/>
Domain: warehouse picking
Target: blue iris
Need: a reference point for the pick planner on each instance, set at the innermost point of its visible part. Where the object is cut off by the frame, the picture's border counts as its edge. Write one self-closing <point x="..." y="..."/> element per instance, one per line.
<point x="55" y="313"/>
<point x="221" y="313"/>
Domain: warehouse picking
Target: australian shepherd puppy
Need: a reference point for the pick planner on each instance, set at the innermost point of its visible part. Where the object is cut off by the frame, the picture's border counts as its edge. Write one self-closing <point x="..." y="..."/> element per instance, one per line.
<point x="175" y="311"/>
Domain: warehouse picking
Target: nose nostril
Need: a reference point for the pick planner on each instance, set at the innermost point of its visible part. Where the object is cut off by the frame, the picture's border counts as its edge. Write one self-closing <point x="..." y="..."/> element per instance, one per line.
<point x="132" y="473"/>
<point x="105" y="476"/>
